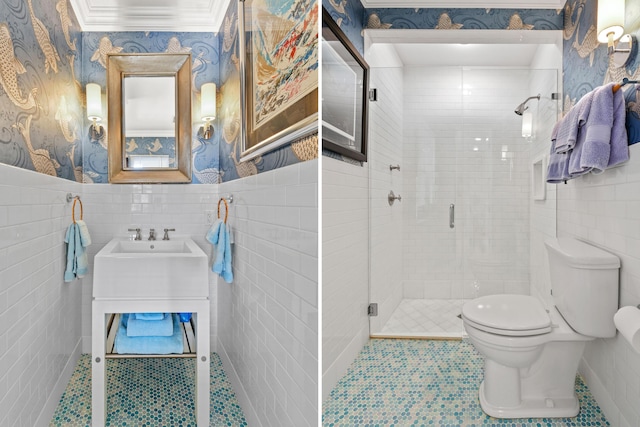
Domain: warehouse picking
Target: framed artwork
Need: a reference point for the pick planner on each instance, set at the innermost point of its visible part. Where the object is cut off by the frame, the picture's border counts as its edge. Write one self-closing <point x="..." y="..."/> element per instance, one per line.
<point x="279" y="67"/>
<point x="345" y="87"/>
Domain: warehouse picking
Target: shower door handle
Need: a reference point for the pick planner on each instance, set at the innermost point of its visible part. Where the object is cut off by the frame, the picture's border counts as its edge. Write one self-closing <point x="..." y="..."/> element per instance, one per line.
<point x="452" y="215"/>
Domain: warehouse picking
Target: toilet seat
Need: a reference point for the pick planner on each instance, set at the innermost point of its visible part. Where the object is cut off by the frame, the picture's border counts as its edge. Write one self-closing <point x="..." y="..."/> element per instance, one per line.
<point x="508" y="315"/>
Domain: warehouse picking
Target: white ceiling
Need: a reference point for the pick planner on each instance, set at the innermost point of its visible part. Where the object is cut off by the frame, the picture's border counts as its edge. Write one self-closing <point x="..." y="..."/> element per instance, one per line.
<point x="506" y="55"/>
<point x="150" y="15"/>
<point x="207" y="15"/>
<point x="471" y="4"/>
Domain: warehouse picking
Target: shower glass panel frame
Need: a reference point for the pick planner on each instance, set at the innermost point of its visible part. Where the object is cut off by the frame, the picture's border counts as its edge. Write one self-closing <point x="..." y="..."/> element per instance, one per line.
<point x="463" y="157"/>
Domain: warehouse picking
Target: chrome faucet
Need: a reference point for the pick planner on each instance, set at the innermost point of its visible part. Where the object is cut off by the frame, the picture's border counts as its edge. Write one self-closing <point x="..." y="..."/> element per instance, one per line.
<point x="166" y="233"/>
<point x="152" y="234"/>
<point x="137" y="230"/>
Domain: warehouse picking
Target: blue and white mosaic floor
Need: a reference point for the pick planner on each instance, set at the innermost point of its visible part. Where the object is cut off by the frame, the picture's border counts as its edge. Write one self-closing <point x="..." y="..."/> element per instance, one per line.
<point x="427" y="383"/>
<point x="148" y="392"/>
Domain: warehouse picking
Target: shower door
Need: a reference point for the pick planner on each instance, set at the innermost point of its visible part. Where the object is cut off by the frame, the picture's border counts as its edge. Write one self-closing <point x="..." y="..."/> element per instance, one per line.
<point x="463" y="227"/>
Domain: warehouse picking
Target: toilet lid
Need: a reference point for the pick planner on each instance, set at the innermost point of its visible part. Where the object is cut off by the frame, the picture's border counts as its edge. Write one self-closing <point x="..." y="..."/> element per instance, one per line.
<point x="514" y="315"/>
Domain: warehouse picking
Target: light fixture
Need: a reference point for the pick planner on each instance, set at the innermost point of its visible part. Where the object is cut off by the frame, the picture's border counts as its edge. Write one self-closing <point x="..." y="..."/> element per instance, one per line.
<point x="94" y="109"/>
<point x="207" y="108"/>
<point x="610" y="29"/>
<point x="527" y="124"/>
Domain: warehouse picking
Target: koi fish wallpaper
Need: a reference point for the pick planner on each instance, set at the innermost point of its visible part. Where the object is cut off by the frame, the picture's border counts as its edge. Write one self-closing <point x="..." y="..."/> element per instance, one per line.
<point x="46" y="61"/>
<point x="41" y="98"/>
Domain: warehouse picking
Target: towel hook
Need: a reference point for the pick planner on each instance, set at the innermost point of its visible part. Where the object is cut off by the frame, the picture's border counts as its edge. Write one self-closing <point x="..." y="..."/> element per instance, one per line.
<point x="73" y="209"/>
<point x="226" y="209"/>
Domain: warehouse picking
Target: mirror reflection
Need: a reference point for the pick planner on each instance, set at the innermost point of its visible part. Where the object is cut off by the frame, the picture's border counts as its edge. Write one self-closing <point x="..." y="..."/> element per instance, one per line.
<point x="149" y="105"/>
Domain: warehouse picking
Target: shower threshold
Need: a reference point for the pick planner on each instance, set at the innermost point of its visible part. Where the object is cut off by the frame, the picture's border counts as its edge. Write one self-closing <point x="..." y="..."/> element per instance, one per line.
<point x="425" y="319"/>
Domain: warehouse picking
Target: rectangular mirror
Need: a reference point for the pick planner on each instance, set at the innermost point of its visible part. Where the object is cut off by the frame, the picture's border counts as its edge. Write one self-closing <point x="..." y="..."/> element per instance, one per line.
<point x="149" y="122"/>
<point x="345" y="87"/>
<point x="149" y="117"/>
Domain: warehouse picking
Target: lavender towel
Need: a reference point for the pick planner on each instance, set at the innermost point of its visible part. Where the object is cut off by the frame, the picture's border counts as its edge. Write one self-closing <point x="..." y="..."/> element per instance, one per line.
<point x="619" y="138"/>
<point x="558" y="169"/>
<point x="570" y="124"/>
<point x="593" y="146"/>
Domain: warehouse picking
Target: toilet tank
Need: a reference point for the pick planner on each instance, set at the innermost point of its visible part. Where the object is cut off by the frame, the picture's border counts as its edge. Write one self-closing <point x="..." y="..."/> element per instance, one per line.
<point x="584" y="282"/>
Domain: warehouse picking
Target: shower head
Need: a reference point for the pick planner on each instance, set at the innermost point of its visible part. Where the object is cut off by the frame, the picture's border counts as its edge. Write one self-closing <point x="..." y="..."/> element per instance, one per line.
<point x="521" y="108"/>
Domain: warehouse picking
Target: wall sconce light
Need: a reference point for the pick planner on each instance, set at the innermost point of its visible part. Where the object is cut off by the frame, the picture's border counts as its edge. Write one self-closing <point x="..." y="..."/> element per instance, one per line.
<point x="207" y="108"/>
<point x="94" y="109"/>
<point x="527" y="124"/>
<point x="610" y="28"/>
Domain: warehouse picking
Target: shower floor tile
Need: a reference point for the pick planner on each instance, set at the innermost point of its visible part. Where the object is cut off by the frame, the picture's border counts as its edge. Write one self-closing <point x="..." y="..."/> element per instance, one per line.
<point x="427" y="382"/>
<point x="148" y="392"/>
<point x="437" y="318"/>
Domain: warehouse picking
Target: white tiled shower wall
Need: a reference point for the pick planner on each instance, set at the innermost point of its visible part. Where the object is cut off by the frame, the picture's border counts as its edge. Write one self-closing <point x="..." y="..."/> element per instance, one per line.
<point x="463" y="146"/>
<point x="40" y="315"/>
<point x="111" y="209"/>
<point x="345" y="267"/>
<point x="603" y="210"/>
<point x="268" y="331"/>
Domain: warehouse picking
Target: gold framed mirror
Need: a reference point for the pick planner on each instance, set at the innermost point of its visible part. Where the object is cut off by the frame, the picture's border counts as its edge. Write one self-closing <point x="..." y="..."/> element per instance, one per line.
<point x="149" y="100"/>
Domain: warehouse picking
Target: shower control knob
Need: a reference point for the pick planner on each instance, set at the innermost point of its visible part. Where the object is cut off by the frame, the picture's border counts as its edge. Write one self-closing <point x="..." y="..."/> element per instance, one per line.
<point x="392" y="198"/>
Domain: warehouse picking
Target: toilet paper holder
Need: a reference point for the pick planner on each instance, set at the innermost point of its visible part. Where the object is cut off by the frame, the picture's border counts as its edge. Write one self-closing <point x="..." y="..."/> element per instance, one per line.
<point x="627" y="321"/>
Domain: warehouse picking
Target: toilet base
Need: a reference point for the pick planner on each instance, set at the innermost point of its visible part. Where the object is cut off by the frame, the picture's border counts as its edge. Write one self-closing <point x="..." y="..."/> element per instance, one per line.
<point x="533" y="408"/>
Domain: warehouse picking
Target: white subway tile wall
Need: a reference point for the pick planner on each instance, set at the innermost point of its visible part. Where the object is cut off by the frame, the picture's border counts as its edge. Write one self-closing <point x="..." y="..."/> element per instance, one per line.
<point x="463" y="146"/>
<point x="603" y="210"/>
<point x="40" y="314"/>
<point x="345" y="267"/>
<point x="111" y="209"/>
<point x="268" y="330"/>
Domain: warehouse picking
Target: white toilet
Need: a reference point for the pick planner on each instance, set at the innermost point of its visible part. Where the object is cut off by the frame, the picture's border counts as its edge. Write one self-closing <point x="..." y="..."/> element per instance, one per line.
<point x="531" y="353"/>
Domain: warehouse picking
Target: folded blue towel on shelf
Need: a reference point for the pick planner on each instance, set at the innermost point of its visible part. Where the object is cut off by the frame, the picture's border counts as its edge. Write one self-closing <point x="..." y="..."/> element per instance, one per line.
<point x="148" y="345"/>
<point x="150" y="328"/>
<point x="150" y="316"/>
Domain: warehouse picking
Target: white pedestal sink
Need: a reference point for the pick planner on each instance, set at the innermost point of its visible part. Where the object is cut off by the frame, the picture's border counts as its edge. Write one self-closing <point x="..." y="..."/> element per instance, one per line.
<point x="150" y="276"/>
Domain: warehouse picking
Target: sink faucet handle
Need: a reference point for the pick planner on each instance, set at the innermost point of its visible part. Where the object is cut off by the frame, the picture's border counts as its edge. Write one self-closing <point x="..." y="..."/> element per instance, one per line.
<point x="166" y="233"/>
<point x="137" y="230"/>
<point x="152" y="234"/>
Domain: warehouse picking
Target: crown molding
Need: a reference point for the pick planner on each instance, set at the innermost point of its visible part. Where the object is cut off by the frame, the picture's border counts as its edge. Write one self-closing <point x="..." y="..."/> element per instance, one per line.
<point x="466" y="4"/>
<point x="141" y="15"/>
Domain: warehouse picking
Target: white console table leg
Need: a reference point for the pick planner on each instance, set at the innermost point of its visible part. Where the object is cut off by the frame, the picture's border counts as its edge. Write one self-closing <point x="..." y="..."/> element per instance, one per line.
<point x="98" y="367"/>
<point x="203" y="377"/>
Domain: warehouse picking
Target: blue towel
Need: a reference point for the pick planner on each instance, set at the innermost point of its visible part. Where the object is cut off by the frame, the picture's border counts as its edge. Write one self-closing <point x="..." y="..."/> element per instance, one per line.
<point x="85" y="237"/>
<point x="222" y="264"/>
<point x="77" y="262"/>
<point x="150" y="316"/>
<point x="148" y="345"/>
<point x="150" y="328"/>
<point x="570" y="124"/>
<point x="219" y="236"/>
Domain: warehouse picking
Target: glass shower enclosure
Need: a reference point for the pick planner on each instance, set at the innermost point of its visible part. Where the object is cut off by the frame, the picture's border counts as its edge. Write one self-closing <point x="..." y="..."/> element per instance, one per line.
<point x="473" y="209"/>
